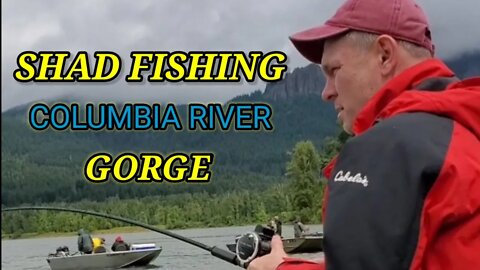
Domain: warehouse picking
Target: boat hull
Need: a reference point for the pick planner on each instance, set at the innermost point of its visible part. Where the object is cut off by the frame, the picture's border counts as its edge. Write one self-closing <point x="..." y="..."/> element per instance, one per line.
<point x="308" y="244"/>
<point x="109" y="260"/>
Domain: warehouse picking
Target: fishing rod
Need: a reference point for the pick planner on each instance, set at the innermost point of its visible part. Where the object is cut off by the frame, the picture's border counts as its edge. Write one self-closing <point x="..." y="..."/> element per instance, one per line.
<point x="215" y="251"/>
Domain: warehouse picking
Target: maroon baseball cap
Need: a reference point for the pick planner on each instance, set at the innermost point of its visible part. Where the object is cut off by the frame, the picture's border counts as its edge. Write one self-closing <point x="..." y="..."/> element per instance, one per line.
<point x="401" y="19"/>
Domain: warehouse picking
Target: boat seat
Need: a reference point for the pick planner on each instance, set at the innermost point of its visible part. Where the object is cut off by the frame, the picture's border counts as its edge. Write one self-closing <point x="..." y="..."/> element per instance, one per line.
<point x="100" y="249"/>
<point x="120" y="247"/>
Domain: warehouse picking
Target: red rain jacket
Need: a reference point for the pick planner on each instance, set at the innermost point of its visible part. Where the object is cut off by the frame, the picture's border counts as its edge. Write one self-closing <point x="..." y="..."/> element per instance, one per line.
<point x="404" y="192"/>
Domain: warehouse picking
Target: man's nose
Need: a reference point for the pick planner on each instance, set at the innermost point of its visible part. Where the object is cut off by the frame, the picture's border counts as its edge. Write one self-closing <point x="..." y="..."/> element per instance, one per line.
<point x="329" y="92"/>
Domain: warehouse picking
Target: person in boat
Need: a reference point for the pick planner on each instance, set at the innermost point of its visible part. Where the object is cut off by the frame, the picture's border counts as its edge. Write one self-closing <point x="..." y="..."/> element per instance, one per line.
<point x="278" y="225"/>
<point x="120" y="245"/>
<point x="271" y="225"/>
<point x="85" y="242"/>
<point x="403" y="193"/>
<point x="99" y="245"/>
<point x="62" y="251"/>
<point x="97" y="241"/>
<point x="299" y="229"/>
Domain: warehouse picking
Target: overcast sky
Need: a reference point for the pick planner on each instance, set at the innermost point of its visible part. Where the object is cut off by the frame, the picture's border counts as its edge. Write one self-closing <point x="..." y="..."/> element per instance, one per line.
<point x="123" y="26"/>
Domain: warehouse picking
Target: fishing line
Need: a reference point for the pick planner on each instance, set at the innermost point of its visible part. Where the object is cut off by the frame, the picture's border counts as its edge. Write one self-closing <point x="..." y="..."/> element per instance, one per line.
<point x="215" y="251"/>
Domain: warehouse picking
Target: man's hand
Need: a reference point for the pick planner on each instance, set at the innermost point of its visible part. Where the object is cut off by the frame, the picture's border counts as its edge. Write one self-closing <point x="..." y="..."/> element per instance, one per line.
<point x="272" y="260"/>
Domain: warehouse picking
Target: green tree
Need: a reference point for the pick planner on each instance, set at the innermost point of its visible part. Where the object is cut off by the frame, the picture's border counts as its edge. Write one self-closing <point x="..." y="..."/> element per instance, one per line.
<point x="261" y="214"/>
<point x="303" y="172"/>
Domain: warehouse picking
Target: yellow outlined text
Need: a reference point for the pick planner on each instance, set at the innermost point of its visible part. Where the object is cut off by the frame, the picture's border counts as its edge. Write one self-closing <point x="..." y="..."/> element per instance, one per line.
<point x="148" y="167"/>
<point x="160" y="66"/>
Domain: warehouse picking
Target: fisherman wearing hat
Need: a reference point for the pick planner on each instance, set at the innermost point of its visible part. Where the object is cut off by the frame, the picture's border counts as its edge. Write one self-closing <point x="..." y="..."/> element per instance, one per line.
<point x="278" y="226"/>
<point x="120" y="245"/>
<point x="404" y="192"/>
<point x="85" y="242"/>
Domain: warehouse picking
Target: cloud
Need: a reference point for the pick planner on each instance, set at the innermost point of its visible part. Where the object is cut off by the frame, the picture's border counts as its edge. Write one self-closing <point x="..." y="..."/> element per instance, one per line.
<point x="123" y="26"/>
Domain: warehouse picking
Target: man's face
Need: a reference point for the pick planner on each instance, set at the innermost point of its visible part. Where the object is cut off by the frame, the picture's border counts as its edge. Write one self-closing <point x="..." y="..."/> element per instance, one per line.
<point x="352" y="78"/>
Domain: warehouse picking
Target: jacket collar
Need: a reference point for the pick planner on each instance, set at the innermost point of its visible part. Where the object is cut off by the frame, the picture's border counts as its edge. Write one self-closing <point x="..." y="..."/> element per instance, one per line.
<point x="404" y="81"/>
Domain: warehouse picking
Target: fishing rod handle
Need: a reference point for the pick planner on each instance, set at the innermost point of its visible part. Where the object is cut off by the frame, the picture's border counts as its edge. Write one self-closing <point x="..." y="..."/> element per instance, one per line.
<point x="226" y="256"/>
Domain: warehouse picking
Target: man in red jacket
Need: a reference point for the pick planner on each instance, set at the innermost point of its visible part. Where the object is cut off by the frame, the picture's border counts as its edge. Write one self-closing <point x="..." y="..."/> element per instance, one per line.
<point x="404" y="192"/>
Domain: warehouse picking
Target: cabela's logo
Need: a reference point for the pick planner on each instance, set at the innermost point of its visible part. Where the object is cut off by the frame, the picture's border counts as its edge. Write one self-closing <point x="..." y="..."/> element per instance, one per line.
<point x="348" y="177"/>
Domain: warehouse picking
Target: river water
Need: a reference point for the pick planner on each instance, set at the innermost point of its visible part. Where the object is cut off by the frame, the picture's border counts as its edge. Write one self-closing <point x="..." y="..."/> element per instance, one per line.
<point x="176" y="255"/>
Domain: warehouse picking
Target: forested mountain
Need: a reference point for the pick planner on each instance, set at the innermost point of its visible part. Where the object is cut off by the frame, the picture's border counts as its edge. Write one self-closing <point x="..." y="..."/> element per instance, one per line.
<point x="47" y="166"/>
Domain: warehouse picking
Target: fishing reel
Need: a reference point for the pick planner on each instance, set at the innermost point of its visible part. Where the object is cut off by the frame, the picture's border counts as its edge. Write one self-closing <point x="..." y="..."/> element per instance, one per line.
<point x="253" y="244"/>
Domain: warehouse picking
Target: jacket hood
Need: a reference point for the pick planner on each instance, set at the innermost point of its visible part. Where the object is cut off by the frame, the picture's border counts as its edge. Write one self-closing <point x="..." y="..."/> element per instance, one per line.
<point x="460" y="101"/>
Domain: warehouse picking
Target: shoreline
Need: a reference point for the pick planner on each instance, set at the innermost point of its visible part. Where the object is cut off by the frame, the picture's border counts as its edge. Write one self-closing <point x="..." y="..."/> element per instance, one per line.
<point x="122" y="230"/>
<point x="115" y="230"/>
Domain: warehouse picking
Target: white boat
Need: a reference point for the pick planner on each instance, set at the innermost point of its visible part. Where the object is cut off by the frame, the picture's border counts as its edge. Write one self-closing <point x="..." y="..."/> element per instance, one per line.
<point x="139" y="255"/>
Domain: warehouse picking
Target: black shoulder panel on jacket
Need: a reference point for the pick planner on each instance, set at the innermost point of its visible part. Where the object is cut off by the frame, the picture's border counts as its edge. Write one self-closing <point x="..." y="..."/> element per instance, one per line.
<point x="377" y="190"/>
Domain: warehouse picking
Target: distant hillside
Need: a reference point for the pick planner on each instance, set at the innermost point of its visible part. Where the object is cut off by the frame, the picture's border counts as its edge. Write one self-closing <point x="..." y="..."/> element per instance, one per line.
<point x="467" y="65"/>
<point x="304" y="81"/>
<point x="47" y="166"/>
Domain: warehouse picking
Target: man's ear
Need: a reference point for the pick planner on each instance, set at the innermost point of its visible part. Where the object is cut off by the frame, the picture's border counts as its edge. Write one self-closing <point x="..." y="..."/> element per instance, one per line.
<point x="386" y="48"/>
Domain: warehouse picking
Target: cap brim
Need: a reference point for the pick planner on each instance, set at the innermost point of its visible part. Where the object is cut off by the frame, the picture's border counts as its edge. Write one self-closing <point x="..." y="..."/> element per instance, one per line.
<point x="310" y="42"/>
